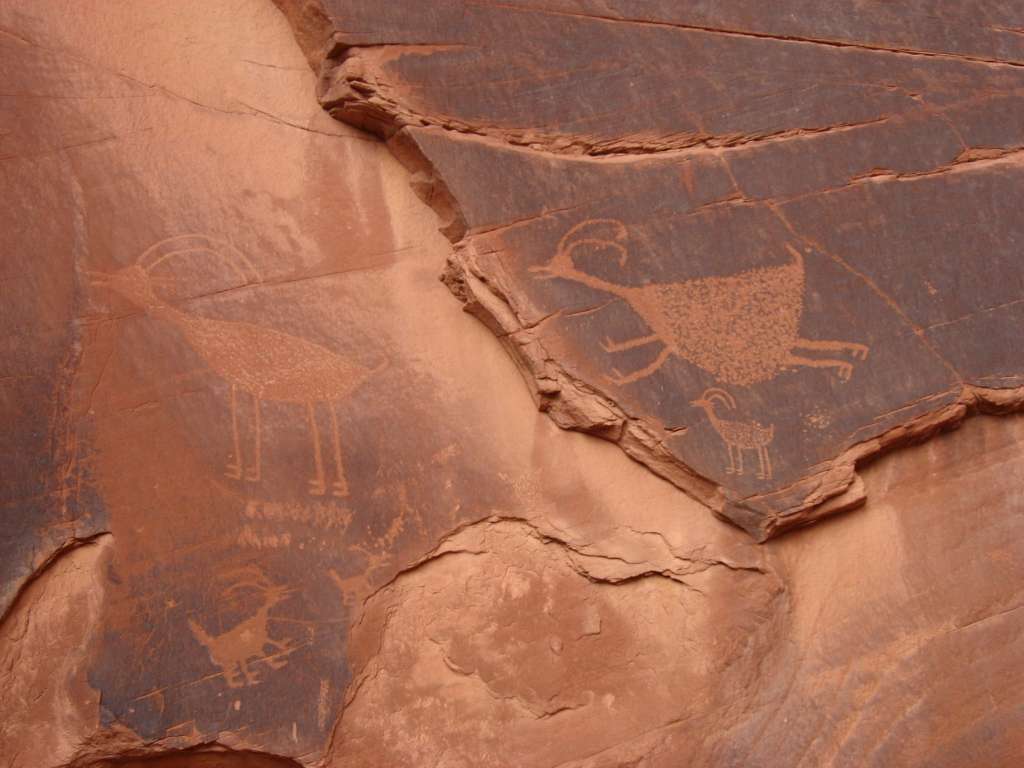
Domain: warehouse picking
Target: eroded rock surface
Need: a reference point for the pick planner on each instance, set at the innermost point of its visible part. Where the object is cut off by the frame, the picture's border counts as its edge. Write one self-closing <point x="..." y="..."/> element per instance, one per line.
<point x="271" y="499"/>
<point x="894" y="642"/>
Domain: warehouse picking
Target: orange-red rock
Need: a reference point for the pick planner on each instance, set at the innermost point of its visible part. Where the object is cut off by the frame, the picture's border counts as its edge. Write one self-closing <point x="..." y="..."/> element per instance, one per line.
<point x="270" y="498"/>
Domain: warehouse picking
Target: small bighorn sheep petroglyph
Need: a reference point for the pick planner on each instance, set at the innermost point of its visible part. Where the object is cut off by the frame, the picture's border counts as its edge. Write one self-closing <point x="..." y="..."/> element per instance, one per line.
<point x="738" y="436"/>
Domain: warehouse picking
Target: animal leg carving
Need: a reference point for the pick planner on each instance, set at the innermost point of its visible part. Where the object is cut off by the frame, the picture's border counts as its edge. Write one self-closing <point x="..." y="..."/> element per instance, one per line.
<point x="739" y="460"/>
<point x="251" y="678"/>
<point x="234" y="468"/>
<point x="731" y="469"/>
<point x="844" y="368"/>
<point x="279" y="646"/>
<point x="643" y="373"/>
<point x="255" y="468"/>
<point x="277" y="659"/>
<point x="618" y="346"/>
<point x="234" y="677"/>
<point x="766" y="463"/>
<point x="317" y="486"/>
<point x="276" y="662"/>
<point x="859" y="351"/>
<point x="339" y="486"/>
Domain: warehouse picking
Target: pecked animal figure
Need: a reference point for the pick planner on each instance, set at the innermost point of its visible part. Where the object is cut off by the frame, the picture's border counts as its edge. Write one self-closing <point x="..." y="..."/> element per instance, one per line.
<point x="738" y="436"/>
<point x="742" y="328"/>
<point x="265" y="363"/>
<point x="238" y="648"/>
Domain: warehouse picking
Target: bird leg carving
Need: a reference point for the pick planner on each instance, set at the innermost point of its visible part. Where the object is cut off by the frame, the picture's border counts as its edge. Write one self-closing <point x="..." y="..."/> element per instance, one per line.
<point x="619" y="346"/>
<point x="644" y="372"/>
<point x="845" y="369"/>
<point x="255" y="468"/>
<point x="278" y="657"/>
<point x="339" y="486"/>
<point x="236" y="675"/>
<point x="859" y="351"/>
<point x="234" y="468"/>
<point x="275" y="661"/>
<point x="251" y="676"/>
<point x="317" y="486"/>
<point x="766" y="463"/>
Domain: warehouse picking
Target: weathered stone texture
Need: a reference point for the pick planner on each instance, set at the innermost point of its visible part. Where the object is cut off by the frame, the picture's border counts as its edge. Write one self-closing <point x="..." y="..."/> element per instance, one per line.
<point x="270" y="498"/>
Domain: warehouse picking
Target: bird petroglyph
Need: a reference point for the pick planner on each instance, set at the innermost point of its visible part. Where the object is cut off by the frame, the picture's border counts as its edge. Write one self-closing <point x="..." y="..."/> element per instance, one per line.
<point x="267" y="364"/>
<point x="235" y="650"/>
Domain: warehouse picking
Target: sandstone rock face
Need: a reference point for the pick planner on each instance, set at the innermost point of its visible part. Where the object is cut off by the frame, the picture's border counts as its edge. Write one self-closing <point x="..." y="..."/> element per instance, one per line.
<point x="270" y="498"/>
<point x="719" y="238"/>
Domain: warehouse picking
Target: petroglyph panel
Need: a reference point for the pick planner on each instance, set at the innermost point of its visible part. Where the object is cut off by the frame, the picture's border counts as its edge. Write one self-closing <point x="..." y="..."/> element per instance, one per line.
<point x="625" y="289"/>
<point x="248" y="418"/>
<point x="237" y="650"/>
<point x="638" y="237"/>
<point x="218" y="360"/>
